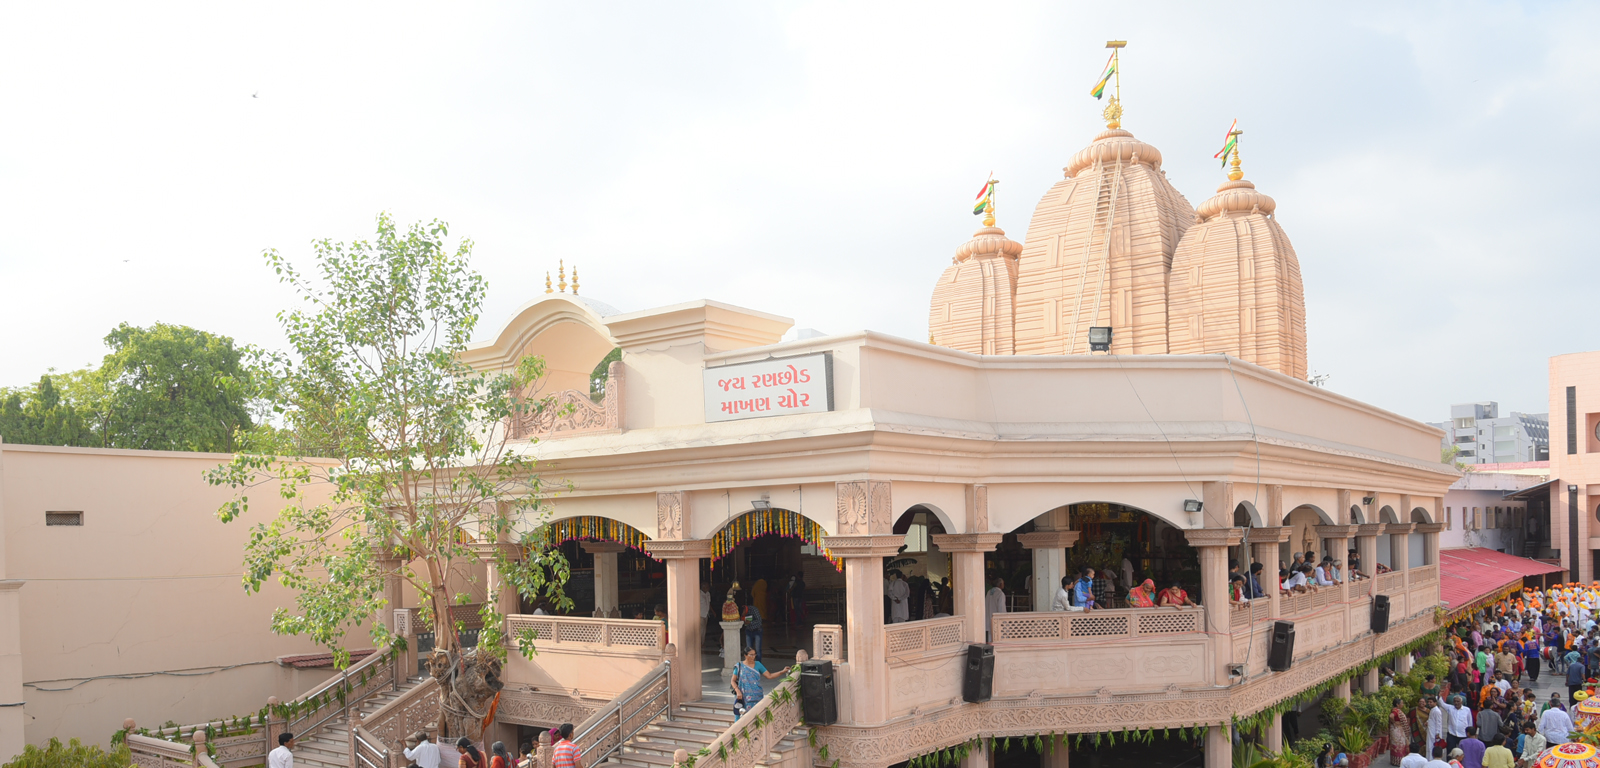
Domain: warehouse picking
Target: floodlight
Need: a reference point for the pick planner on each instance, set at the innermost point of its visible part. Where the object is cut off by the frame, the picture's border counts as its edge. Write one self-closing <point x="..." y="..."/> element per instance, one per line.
<point x="1099" y="338"/>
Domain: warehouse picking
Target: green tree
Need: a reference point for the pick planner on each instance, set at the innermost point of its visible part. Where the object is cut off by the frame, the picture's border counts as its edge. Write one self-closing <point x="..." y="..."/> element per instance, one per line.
<point x="40" y="415"/>
<point x="373" y="379"/>
<point x="71" y="755"/>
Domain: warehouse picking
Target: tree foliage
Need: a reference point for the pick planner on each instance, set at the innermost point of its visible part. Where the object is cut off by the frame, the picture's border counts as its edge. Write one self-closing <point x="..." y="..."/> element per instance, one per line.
<point x="423" y="471"/>
<point x="166" y="387"/>
<point x="71" y="755"/>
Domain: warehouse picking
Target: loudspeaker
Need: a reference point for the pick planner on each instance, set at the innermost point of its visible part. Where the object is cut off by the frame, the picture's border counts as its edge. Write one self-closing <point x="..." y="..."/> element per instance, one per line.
<point x="978" y="685"/>
<point x="1280" y="656"/>
<point x="1380" y="613"/>
<point x="818" y="701"/>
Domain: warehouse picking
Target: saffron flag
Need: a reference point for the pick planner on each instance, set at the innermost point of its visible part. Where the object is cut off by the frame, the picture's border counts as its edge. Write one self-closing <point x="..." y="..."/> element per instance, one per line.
<point x="984" y="201"/>
<point x="1105" y="77"/>
<point x="1229" y="141"/>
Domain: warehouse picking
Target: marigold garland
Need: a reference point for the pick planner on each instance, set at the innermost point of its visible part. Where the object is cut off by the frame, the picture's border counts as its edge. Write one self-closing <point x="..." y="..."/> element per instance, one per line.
<point x="770" y="522"/>
<point x="590" y="528"/>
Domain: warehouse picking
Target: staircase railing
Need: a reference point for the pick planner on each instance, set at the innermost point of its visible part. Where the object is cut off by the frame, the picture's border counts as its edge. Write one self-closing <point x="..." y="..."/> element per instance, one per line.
<point x="757" y="732"/>
<point x="608" y="729"/>
<point x="384" y="731"/>
<point x="337" y="695"/>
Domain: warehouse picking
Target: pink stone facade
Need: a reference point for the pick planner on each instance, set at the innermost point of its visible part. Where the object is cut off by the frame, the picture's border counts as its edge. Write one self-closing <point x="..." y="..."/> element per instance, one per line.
<point x="1575" y="461"/>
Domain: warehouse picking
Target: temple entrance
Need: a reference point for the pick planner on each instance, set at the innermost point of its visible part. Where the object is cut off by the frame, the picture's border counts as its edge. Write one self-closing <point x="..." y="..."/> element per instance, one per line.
<point x="611" y="575"/>
<point x="777" y="558"/>
<point x="925" y="570"/>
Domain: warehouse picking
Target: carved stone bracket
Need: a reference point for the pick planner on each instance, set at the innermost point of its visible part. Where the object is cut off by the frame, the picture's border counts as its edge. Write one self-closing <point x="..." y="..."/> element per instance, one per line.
<point x="1428" y="527"/>
<point x="678" y="549"/>
<point x="882" y="545"/>
<point x="1277" y="535"/>
<point x="967" y="542"/>
<point x="1337" y="531"/>
<point x="1047" y="539"/>
<point x="1397" y="529"/>
<point x="1214" y="537"/>
<point x="1369" y="529"/>
<point x="865" y="507"/>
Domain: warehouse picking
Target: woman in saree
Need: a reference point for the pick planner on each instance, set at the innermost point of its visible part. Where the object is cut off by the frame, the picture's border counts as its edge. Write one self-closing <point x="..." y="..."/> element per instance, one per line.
<point x="1399" y="733"/>
<point x="1143" y="596"/>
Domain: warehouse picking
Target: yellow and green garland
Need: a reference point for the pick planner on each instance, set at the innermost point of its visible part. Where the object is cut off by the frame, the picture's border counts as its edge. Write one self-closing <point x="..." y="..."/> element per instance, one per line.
<point x="770" y="522"/>
<point x="590" y="528"/>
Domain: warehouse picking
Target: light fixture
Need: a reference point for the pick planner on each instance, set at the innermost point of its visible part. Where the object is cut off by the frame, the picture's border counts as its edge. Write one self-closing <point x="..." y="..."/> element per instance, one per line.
<point x="1366" y="501"/>
<point x="1192" y="506"/>
<point x="761" y="505"/>
<point x="1572" y="489"/>
<point x="1100" y="338"/>
<point x="1235" y="670"/>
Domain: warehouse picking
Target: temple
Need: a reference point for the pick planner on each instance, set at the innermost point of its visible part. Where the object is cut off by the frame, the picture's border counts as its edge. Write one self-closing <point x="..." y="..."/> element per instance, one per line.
<point x="887" y="505"/>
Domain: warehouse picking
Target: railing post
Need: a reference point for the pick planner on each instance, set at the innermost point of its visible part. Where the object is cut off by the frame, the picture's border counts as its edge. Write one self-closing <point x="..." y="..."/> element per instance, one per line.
<point x="543" y="756"/>
<point x="354" y="722"/>
<point x="199" y="739"/>
<point x="275" y="724"/>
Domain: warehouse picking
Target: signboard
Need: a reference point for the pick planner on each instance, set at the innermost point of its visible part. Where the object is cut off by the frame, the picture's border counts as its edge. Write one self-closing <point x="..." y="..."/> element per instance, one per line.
<point x="775" y="387"/>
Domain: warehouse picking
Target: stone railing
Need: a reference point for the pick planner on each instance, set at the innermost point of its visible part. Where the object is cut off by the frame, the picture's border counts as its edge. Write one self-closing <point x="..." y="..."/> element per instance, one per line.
<point x="383" y="733"/>
<point x="827" y="642"/>
<point x="1096" y="625"/>
<point x="335" y="697"/>
<point x="632" y="711"/>
<point x="571" y="411"/>
<point x="151" y="752"/>
<point x="1423" y="574"/>
<point x="920" y="637"/>
<point x="757" y="733"/>
<point x="1241" y="616"/>
<point x="1391" y="582"/>
<point x="583" y="630"/>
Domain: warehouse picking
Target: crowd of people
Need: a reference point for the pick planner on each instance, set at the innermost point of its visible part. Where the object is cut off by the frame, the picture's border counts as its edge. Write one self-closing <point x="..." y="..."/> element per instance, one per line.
<point x="1482" y="715"/>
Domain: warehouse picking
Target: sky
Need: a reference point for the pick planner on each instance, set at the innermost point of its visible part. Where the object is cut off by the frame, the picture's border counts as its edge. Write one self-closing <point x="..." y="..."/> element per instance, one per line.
<point x="1434" y="164"/>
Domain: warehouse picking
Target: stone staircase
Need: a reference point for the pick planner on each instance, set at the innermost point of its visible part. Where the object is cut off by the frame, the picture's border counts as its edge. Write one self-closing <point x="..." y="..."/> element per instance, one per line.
<point x="696" y="724"/>
<point x="329" y="747"/>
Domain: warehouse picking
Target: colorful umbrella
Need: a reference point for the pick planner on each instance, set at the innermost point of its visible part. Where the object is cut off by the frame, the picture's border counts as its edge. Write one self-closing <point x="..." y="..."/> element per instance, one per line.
<point x="1569" y="755"/>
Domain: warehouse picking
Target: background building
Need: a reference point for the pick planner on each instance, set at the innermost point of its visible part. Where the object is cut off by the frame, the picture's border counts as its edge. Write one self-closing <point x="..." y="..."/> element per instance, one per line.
<point x="1483" y="436"/>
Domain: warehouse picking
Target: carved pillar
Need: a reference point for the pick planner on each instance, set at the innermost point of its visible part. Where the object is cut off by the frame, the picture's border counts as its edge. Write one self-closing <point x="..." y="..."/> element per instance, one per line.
<point x="863" y="588"/>
<point x="1402" y="664"/>
<point x="1369" y="681"/>
<point x="1367" y="546"/>
<point x="1054" y="758"/>
<point x="683" y="609"/>
<point x="606" y="576"/>
<point x="1049" y="562"/>
<point x="1399" y="545"/>
<point x="1219" y="744"/>
<point x="1430" y="542"/>
<point x="1341" y="690"/>
<point x="1273" y="735"/>
<point x="1338" y="538"/>
<point x="1213" y="544"/>
<point x="977" y="758"/>
<point x="966" y="550"/>
<point x="1265" y="542"/>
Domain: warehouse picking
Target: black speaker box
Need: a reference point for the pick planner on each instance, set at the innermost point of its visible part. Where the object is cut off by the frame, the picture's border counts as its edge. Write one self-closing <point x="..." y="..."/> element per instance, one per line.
<point x="818" y="701"/>
<point x="1380" y="613"/>
<point x="978" y="684"/>
<point x="1280" y="656"/>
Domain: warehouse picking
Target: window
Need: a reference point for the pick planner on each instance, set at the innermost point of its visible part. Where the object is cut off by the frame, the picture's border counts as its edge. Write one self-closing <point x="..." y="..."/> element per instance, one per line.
<point x="1464" y="422"/>
<point x="63" y="518"/>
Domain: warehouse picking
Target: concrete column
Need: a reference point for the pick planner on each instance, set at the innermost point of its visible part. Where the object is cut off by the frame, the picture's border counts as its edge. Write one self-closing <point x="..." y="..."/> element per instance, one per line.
<point x="1430" y="542"/>
<point x="863" y="590"/>
<point x="1341" y="690"/>
<point x="1213" y="544"/>
<point x="966" y="550"/>
<point x="1049" y="563"/>
<point x="977" y="758"/>
<point x="1367" y="546"/>
<point x="1399" y="545"/>
<point x="1056" y="758"/>
<point x="1402" y="664"/>
<point x="605" y="576"/>
<point x="731" y="651"/>
<point x="683" y="609"/>
<point x="1369" y="681"/>
<point x="1265" y="542"/>
<point x="1274" y="735"/>
<point x="1219" y="738"/>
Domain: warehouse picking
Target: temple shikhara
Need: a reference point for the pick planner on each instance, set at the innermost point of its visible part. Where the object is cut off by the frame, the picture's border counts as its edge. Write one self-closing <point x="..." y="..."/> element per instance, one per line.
<point x="905" y="510"/>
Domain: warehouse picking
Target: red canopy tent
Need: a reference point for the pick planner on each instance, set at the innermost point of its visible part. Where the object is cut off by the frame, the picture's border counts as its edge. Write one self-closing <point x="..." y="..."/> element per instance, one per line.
<point x="1473" y="576"/>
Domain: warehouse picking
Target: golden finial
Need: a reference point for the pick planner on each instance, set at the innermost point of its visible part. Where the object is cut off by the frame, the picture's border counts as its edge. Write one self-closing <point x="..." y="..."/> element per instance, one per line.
<point x="988" y="217"/>
<point x="1235" y="174"/>
<point x="561" y="274"/>
<point x="547" y="288"/>
<point x="1113" y="110"/>
<point x="574" y="279"/>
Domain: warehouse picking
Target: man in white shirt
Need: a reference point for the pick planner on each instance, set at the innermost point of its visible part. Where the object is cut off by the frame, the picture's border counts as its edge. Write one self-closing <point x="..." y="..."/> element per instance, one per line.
<point x="899" y="599"/>
<point x="994" y="601"/>
<point x="1555" y="724"/>
<point x="1063" y="601"/>
<point x="1458" y="719"/>
<point x="1322" y="574"/>
<point x="423" y="752"/>
<point x="283" y="756"/>
<point x="1413" y="760"/>
<point x="1435" y="728"/>
<point x="1296" y="582"/>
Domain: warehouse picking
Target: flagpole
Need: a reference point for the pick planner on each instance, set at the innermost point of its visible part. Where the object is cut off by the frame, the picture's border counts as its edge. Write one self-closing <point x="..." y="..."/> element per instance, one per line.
<point x="1113" y="111"/>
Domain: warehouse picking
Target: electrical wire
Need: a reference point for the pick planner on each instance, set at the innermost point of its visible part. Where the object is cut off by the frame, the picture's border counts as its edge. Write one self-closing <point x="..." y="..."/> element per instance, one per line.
<point x="1255" y="503"/>
<point x="1152" y="417"/>
<point x="190" y="672"/>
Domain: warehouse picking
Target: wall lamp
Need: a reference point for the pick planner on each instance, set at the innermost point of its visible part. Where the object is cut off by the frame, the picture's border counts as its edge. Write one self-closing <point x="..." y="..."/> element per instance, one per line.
<point x="1192" y="506"/>
<point x="1572" y="489"/>
<point x="761" y="505"/>
<point x="1366" y="501"/>
<point x="1099" y="338"/>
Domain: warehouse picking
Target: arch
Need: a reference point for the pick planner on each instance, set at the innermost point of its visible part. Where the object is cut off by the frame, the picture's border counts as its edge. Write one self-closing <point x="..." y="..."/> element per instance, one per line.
<point x="1356" y="518"/>
<point x="1420" y="515"/>
<point x="1012" y="505"/>
<point x="769" y="522"/>
<point x="1303" y="520"/>
<point x="566" y="330"/>
<point x="943" y="517"/>
<point x="594" y="528"/>
<point x="1321" y="515"/>
<point x="1387" y="515"/>
<point x="1111" y="532"/>
<point x="1245" y="515"/>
